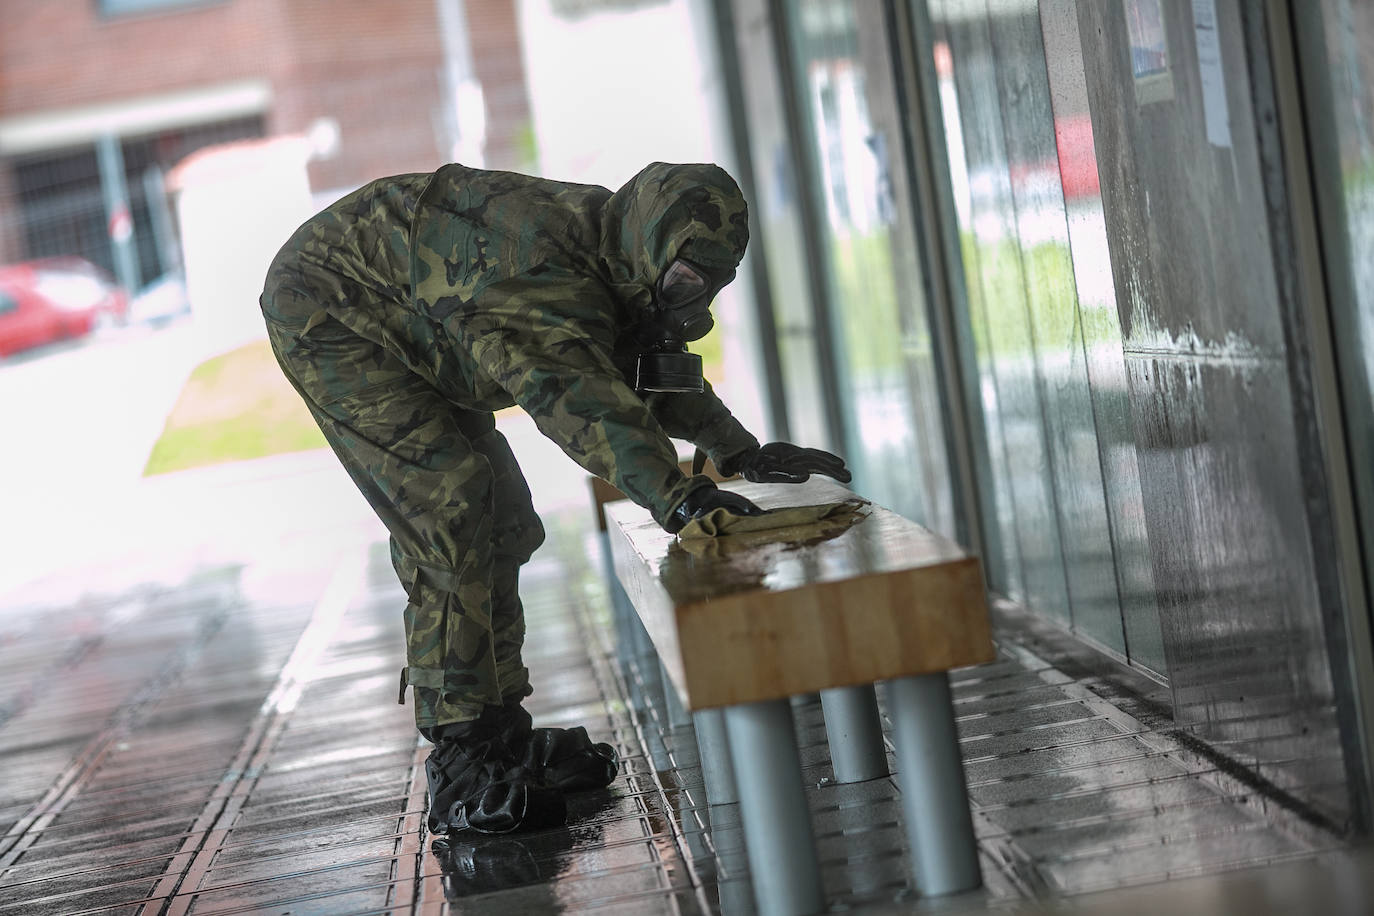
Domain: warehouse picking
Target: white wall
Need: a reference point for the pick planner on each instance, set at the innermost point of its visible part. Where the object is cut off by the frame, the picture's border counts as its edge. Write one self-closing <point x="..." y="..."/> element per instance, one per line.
<point x="237" y="204"/>
<point x="614" y="91"/>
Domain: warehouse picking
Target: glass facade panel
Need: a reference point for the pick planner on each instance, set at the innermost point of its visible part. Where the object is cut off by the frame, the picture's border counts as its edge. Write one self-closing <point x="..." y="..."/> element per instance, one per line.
<point x="1136" y="333"/>
<point x="1207" y="326"/>
<point x="1149" y="473"/>
<point x="776" y="218"/>
<point x="1133" y="339"/>
<point x="1057" y="328"/>
<point x="888" y="388"/>
<point x="1350" y="49"/>
<point x="1000" y="312"/>
<point x="1100" y="330"/>
<point x="1344" y="168"/>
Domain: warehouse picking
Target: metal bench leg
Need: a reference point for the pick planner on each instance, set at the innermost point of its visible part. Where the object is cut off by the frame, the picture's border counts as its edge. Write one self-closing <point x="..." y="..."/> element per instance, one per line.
<point x="777" y="821"/>
<point x="713" y="744"/>
<point x="735" y="893"/>
<point x="855" y="733"/>
<point x="930" y="773"/>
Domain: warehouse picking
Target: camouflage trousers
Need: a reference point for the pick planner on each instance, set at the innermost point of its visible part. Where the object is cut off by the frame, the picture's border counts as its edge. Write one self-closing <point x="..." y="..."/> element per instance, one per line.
<point x="447" y="487"/>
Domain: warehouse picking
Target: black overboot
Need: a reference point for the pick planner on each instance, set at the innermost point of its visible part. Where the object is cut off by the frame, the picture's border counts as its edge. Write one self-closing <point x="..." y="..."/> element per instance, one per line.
<point x="565" y="758"/>
<point x="474" y="783"/>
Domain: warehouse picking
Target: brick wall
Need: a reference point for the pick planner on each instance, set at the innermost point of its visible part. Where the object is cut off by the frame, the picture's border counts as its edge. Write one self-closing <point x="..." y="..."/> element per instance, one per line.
<point x="493" y="29"/>
<point x="374" y="67"/>
<point x="58" y="53"/>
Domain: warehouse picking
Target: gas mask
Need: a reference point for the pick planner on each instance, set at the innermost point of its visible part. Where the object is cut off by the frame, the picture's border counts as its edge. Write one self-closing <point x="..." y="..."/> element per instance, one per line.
<point x="681" y="313"/>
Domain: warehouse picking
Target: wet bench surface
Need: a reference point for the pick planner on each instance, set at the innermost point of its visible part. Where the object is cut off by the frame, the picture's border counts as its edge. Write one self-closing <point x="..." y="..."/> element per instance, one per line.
<point x="743" y="622"/>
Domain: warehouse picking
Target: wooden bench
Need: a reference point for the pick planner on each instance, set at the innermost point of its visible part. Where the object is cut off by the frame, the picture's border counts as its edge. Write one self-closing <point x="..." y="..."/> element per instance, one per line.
<point x="743" y="623"/>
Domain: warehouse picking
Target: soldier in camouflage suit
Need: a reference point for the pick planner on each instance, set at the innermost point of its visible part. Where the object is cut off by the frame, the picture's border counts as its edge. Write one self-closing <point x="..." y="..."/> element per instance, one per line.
<point x="409" y="311"/>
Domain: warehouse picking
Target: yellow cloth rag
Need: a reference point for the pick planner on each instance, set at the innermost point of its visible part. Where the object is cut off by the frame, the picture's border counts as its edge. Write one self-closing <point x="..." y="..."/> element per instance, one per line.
<point x="719" y="522"/>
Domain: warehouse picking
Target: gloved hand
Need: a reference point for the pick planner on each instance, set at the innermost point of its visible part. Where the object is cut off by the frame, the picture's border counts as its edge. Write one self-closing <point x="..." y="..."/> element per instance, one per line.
<point x="703" y="500"/>
<point x="783" y="462"/>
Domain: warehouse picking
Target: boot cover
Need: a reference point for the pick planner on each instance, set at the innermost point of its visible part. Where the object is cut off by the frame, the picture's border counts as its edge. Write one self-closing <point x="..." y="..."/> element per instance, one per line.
<point x="474" y="784"/>
<point x="565" y="758"/>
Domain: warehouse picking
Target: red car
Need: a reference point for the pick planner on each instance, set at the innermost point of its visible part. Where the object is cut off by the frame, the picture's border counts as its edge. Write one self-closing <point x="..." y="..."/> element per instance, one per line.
<point x="54" y="299"/>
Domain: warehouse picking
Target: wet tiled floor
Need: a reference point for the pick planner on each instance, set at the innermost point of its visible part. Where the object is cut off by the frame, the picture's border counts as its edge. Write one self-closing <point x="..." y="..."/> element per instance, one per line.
<point x="230" y="742"/>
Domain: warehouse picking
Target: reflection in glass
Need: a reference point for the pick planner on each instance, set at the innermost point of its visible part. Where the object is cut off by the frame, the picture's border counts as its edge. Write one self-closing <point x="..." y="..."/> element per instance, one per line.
<point x="1042" y="311"/>
<point x="1347" y="53"/>
<point x="472" y="863"/>
<point x="1100" y="333"/>
<point x="1001" y="318"/>
<point x="775" y="213"/>
<point x="1221" y="430"/>
<point x="889" y="391"/>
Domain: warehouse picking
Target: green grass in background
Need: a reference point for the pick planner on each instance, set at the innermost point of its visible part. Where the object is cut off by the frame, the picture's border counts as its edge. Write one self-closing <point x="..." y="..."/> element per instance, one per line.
<point x="234" y="407"/>
<point x="1011" y="279"/>
<point x="239" y="406"/>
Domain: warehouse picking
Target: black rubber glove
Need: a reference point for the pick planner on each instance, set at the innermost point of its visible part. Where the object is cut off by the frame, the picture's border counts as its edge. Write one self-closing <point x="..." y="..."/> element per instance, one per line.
<point x="783" y="462"/>
<point x="703" y="500"/>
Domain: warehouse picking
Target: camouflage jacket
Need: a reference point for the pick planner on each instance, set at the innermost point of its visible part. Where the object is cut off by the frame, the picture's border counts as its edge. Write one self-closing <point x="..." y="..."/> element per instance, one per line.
<point x="504" y="289"/>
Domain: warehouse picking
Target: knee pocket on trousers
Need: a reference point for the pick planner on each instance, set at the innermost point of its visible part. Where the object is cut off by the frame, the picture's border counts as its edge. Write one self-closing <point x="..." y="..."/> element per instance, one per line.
<point x="519" y="539"/>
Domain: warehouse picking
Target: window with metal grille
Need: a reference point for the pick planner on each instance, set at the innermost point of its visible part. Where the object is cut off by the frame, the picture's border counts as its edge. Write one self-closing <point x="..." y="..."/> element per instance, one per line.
<point x="110" y="8"/>
<point x="61" y="208"/>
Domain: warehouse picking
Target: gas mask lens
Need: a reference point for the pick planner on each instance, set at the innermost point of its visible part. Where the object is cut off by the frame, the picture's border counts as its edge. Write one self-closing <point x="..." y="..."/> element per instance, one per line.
<point x="685" y="292"/>
<point x="681" y="284"/>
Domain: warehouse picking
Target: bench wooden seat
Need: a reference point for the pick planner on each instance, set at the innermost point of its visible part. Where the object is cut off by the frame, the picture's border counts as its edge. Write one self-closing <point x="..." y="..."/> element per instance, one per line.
<point x="742" y="623"/>
<point x="769" y="619"/>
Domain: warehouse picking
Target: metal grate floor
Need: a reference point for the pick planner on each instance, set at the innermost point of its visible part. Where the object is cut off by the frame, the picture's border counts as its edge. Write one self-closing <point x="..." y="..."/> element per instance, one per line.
<point x="230" y="743"/>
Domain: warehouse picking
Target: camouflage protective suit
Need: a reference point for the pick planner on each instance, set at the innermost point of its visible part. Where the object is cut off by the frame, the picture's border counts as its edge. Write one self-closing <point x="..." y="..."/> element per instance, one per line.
<point x="410" y="310"/>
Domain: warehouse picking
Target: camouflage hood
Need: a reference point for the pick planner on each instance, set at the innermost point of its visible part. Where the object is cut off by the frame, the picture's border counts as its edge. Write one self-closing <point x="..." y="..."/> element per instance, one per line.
<point x="649" y="221"/>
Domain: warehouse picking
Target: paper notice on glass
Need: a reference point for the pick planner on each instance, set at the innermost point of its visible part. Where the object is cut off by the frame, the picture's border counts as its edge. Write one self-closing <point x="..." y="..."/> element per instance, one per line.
<point x="1213" y="76"/>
